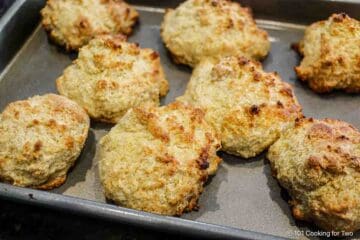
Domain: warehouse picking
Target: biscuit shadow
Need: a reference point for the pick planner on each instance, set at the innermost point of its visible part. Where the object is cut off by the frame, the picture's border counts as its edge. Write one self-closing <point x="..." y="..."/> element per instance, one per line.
<point x="97" y="185"/>
<point x="268" y="61"/>
<point x="96" y="125"/>
<point x="60" y="49"/>
<point x="233" y="160"/>
<point x="280" y="195"/>
<point x="208" y="199"/>
<point x="304" y="86"/>
<point x="136" y="28"/>
<point x="177" y="75"/>
<point x="299" y="84"/>
<point x="84" y="162"/>
<point x="168" y="59"/>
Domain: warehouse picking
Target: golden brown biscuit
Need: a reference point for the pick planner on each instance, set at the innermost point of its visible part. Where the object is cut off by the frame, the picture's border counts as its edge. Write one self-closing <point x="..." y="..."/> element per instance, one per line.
<point x="331" y="51"/>
<point x="209" y="28"/>
<point x="73" y="23"/>
<point x="318" y="162"/>
<point x="249" y="107"/>
<point x="40" y="139"/>
<point x="157" y="159"/>
<point x="111" y="75"/>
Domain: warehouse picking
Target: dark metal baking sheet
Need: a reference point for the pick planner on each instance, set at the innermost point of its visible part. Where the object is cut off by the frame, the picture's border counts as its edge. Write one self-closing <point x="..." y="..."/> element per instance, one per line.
<point x="4" y="5"/>
<point x="242" y="195"/>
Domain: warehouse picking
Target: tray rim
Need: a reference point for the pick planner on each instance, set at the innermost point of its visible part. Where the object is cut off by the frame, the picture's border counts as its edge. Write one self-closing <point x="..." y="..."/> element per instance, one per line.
<point x="108" y="211"/>
<point x="125" y="215"/>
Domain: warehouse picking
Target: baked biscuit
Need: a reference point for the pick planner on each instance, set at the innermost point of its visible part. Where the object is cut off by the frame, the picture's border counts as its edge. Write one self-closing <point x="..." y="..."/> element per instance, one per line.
<point x="331" y="51"/>
<point x="40" y="139"/>
<point x="73" y="23"/>
<point x="157" y="159"/>
<point x="111" y="75"/>
<point x="249" y="107"/>
<point x="208" y="28"/>
<point x="318" y="162"/>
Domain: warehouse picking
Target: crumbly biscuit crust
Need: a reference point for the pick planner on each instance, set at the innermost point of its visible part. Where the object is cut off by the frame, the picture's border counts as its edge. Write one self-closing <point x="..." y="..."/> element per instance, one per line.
<point x="331" y="51"/>
<point x="209" y="28"/>
<point x="73" y="23"/>
<point x="318" y="162"/>
<point x="111" y="75"/>
<point x="249" y="107"/>
<point x="157" y="159"/>
<point x="40" y="139"/>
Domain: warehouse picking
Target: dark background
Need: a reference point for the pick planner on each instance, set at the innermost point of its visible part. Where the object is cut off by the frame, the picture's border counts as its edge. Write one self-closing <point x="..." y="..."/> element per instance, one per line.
<point x="18" y="221"/>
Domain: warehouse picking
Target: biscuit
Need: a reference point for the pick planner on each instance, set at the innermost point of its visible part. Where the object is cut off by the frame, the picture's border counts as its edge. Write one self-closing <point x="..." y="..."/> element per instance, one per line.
<point x="331" y="51"/>
<point x="73" y="23"/>
<point x="157" y="159"/>
<point x="247" y="106"/>
<point x="40" y="139"/>
<point x="318" y="162"/>
<point x="209" y="28"/>
<point x="111" y="75"/>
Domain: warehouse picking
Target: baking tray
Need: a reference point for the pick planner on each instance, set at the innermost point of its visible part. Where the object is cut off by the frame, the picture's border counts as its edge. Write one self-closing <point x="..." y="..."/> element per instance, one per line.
<point x="243" y="200"/>
<point x="4" y="5"/>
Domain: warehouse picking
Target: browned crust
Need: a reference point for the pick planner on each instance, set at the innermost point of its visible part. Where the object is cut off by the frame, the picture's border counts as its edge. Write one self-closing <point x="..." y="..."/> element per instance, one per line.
<point x="161" y="125"/>
<point x="147" y="117"/>
<point x="52" y="183"/>
<point x="221" y="6"/>
<point x="117" y="44"/>
<point x="325" y="190"/>
<point x="84" y="26"/>
<point x="63" y="104"/>
<point x="322" y="76"/>
<point x="239" y="120"/>
<point x="296" y="48"/>
<point x="104" y="119"/>
<point x="56" y="105"/>
<point x="177" y="59"/>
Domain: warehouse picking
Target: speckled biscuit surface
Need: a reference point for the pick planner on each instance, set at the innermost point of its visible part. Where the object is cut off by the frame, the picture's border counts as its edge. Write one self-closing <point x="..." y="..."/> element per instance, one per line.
<point x="208" y="28"/>
<point x="73" y="23"/>
<point x="249" y="107"/>
<point x="111" y="75"/>
<point x="157" y="159"/>
<point x="40" y="139"/>
<point x="318" y="162"/>
<point x="331" y="51"/>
